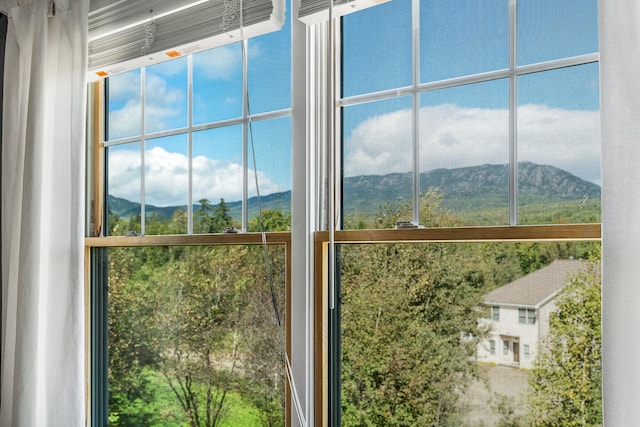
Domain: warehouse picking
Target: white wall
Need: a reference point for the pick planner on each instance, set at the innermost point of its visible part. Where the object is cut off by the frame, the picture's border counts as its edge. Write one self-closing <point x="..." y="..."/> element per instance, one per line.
<point x="620" y="124"/>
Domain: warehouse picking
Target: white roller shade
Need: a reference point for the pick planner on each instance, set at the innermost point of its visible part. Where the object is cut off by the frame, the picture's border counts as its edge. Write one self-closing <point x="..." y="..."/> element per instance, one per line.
<point x="314" y="11"/>
<point x="129" y="34"/>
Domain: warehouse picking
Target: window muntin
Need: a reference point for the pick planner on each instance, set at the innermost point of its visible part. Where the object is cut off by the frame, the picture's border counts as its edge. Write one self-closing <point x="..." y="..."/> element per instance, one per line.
<point x="503" y="91"/>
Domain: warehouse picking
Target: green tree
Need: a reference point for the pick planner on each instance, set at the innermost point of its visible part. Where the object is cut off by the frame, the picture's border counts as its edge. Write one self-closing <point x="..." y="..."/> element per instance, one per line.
<point x="566" y="387"/>
<point x="405" y="309"/>
<point x="221" y="218"/>
<point x="272" y="220"/>
<point x="198" y="337"/>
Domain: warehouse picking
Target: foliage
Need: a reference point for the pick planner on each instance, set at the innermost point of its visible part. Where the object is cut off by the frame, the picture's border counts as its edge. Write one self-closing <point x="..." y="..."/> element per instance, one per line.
<point x="201" y="318"/>
<point x="566" y="387"/>
<point x="404" y="308"/>
<point x="505" y="406"/>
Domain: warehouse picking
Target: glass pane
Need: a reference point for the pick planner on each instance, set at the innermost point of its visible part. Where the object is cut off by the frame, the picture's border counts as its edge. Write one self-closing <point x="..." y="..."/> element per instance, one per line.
<point x="376" y="161"/>
<point x="459" y="38"/>
<point x="559" y="146"/>
<point x="269" y="70"/>
<point x="376" y="48"/>
<point x="217" y="179"/>
<point x="166" y="180"/>
<point x="554" y="29"/>
<point x="217" y="84"/>
<point x="416" y="347"/>
<point x="124" y="105"/>
<point x="272" y="142"/>
<point x="192" y="339"/>
<point x="166" y="95"/>
<point x="464" y="153"/>
<point x="124" y="188"/>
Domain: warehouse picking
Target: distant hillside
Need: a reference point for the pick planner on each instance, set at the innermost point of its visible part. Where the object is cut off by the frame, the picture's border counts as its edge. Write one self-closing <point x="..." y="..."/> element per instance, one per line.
<point x="469" y="188"/>
<point x="276" y="201"/>
<point x="476" y="187"/>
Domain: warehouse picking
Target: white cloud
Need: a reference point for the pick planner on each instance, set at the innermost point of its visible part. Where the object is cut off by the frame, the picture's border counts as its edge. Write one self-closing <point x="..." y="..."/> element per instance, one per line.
<point x="164" y="103"/>
<point x="453" y="136"/>
<point x="166" y="178"/>
<point x="222" y="63"/>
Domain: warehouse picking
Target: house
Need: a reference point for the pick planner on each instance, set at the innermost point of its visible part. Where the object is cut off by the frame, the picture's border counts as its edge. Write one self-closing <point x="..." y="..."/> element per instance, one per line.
<point x="518" y="314"/>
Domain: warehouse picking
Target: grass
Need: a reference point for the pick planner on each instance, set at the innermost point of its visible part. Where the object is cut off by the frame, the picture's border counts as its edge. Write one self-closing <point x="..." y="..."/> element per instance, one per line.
<point x="167" y="411"/>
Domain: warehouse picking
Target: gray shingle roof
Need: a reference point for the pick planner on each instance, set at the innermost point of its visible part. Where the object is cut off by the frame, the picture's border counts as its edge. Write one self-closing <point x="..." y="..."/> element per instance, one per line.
<point x="535" y="288"/>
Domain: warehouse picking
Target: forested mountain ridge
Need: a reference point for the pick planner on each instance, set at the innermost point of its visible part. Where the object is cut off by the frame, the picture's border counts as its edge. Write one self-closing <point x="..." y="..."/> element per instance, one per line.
<point x="474" y="187"/>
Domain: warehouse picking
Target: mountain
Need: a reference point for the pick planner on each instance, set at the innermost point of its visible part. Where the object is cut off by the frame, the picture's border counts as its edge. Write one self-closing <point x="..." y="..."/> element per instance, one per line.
<point x="475" y="187"/>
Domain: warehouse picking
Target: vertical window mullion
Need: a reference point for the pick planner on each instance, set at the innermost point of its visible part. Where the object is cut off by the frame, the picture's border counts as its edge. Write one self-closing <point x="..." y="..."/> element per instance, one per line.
<point x="190" y="144"/>
<point x="513" y="107"/>
<point x="415" y="20"/>
<point x="142" y="147"/>
<point x="245" y="123"/>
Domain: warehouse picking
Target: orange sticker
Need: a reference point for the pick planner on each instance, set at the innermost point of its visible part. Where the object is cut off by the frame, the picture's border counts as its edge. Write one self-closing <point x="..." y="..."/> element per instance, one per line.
<point x="173" y="54"/>
<point x="102" y="73"/>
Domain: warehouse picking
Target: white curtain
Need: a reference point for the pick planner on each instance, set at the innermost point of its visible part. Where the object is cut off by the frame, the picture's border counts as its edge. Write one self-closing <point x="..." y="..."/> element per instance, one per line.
<point x="620" y="106"/>
<point x="42" y="213"/>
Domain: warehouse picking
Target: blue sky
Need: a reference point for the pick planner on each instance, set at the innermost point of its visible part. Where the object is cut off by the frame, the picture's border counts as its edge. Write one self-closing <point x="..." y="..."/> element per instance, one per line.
<point x="557" y="110"/>
<point x="557" y="113"/>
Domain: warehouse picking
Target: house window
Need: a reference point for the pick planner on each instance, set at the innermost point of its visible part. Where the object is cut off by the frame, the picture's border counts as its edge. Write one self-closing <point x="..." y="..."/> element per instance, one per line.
<point x="506" y="345"/>
<point x="492" y="347"/>
<point x="526" y="349"/>
<point x="495" y="313"/>
<point x="527" y="316"/>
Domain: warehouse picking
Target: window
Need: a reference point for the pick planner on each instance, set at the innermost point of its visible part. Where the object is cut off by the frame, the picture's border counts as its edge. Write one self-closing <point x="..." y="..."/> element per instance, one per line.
<point x="526" y="349"/>
<point x="492" y="112"/>
<point x="179" y="270"/>
<point x="492" y="347"/>
<point x="495" y="313"/>
<point x="443" y="118"/>
<point x="527" y="316"/>
<point x="188" y="139"/>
